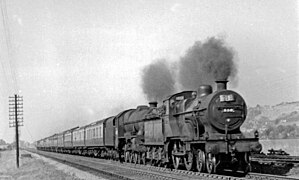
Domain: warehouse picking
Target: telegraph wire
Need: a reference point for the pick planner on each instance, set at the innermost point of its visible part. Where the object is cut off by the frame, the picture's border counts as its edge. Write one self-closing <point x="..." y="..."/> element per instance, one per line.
<point x="7" y="35"/>
<point x="2" y="63"/>
<point x="29" y="134"/>
<point x="12" y="62"/>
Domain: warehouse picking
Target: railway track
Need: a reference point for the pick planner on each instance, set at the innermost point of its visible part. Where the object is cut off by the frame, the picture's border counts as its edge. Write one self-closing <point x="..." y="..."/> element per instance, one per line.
<point x="290" y="159"/>
<point x="117" y="170"/>
<point x="259" y="176"/>
<point x="275" y="165"/>
<point x="275" y="156"/>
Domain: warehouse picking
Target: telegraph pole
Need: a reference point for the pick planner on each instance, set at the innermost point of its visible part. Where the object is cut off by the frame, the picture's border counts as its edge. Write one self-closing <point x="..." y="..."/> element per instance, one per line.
<point x="16" y="119"/>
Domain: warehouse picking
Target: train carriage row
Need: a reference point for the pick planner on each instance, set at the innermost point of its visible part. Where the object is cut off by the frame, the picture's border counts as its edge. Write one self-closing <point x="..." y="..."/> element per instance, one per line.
<point x="197" y="130"/>
<point x="91" y="136"/>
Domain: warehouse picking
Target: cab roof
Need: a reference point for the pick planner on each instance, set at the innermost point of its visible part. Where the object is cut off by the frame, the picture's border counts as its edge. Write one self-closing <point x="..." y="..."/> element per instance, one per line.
<point x="179" y="94"/>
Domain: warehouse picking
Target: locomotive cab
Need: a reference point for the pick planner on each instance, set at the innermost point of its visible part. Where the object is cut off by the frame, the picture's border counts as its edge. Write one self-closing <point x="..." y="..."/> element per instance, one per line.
<point x="175" y="106"/>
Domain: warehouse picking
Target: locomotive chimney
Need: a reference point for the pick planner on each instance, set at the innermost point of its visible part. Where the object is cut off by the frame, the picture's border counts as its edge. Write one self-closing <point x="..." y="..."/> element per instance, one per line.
<point x="153" y="104"/>
<point x="221" y="84"/>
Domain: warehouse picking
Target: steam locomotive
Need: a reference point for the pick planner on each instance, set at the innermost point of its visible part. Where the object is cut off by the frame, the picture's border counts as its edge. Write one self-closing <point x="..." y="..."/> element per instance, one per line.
<point x="194" y="130"/>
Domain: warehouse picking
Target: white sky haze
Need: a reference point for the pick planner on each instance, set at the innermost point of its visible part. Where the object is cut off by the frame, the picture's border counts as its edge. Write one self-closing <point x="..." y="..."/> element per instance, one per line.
<point x="76" y="62"/>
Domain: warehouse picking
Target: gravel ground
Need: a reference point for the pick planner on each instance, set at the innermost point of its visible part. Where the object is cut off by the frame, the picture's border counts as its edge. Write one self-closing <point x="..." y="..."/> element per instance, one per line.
<point x="38" y="168"/>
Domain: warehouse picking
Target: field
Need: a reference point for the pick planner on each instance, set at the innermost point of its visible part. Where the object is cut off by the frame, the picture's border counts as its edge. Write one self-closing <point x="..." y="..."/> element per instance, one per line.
<point x="37" y="168"/>
<point x="288" y="145"/>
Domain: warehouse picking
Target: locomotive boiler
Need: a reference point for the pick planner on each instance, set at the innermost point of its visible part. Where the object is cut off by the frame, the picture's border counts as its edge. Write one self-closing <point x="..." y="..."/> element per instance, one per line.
<point x="203" y="130"/>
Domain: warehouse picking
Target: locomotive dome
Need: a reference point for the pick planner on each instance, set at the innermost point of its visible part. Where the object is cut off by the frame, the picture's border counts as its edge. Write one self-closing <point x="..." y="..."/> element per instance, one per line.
<point x="204" y="90"/>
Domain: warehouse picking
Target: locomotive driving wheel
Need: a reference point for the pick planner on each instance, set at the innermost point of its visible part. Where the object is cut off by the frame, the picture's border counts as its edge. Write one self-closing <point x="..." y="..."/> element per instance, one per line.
<point x="188" y="160"/>
<point x="136" y="158"/>
<point x="128" y="156"/>
<point x="245" y="164"/>
<point x="153" y="154"/>
<point x="142" y="158"/>
<point x="161" y="157"/>
<point x="200" y="161"/>
<point x="211" y="163"/>
<point x="176" y="160"/>
<point x="131" y="159"/>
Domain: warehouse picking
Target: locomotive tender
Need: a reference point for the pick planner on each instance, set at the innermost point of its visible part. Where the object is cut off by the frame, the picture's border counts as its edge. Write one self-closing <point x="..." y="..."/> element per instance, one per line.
<point x="195" y="130"/>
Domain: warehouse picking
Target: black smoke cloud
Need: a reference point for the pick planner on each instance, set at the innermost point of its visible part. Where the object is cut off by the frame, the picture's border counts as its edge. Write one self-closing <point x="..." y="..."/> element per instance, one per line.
<point x="157" y="81"/>
<point x="203" y="63"/>
<point x="206" y="62"/>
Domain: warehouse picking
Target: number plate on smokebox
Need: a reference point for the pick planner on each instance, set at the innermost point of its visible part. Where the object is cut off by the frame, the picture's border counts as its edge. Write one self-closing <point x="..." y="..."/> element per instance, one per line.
<point x="226" y="98"/>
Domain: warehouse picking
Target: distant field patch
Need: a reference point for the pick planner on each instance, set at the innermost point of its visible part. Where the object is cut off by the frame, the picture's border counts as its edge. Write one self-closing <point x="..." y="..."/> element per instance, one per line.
<point x="288" y="145"/>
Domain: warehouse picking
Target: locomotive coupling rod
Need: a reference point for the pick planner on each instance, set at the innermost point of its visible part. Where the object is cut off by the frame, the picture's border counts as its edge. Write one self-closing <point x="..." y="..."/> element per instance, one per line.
<point x="179" y="154"/>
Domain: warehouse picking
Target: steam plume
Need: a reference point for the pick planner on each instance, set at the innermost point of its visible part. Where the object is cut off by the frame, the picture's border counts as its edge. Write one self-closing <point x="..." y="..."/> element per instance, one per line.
<point x="157" y="81"/>
<point x="206" y="62"/>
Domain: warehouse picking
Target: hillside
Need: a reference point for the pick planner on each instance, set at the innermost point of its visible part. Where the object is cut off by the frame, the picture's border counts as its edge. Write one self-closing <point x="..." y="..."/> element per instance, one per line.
<point x="278" y="121"/>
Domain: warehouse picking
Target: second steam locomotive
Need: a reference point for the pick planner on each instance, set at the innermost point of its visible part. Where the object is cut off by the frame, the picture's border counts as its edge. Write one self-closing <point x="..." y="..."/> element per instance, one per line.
<point x="194" y="130"/>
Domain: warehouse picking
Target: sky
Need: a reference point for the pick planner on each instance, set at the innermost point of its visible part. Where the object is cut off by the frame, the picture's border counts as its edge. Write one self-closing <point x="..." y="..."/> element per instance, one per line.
<point x="75" y="62"/>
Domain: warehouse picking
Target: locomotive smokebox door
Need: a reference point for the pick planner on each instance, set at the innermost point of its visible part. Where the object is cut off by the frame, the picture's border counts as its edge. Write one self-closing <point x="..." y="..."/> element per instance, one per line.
<point x="227" y="108"/>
